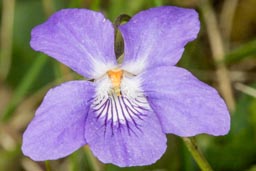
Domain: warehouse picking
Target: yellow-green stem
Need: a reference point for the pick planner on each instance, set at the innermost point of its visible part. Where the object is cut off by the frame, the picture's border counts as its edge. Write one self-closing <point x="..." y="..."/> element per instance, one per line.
<point x="197" y="154"/>
<point x="95" y="165"/>
<point x="47" y="166"/>
<point x="6" y="36"/>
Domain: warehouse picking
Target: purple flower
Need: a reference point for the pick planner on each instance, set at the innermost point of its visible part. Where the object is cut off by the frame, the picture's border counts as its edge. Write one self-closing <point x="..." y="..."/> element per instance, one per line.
<point x="124" y="114"/>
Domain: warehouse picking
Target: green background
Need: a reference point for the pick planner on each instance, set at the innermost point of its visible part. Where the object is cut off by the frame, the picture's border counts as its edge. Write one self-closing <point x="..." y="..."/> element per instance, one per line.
<point x="25" y="77"/>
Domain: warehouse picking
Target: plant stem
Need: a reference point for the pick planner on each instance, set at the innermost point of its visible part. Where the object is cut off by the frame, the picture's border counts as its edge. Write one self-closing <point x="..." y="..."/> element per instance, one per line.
<point x="119" y="42"/>
<point x="246" y="89"/>
<point x="6" y="37"/>
<point x="197" y="155"/>
<point x="95" y="165"/>
<point x="47" y="166"/>
<point x="226" y="19"/>
<point x="218" y="52"/>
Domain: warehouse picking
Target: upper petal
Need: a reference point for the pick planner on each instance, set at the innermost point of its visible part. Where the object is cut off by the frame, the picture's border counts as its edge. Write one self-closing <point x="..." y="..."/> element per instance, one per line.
<point x="79" y="38"/>
<point x="185" y="105"/>
<point x="136" y="142"/>
<point x="157" y="37"/>
<point x="58" y="126"/>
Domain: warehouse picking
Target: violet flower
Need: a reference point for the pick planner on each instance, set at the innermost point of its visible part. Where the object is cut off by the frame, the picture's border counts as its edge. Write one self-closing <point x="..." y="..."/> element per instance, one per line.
<point x="124" y="114"/>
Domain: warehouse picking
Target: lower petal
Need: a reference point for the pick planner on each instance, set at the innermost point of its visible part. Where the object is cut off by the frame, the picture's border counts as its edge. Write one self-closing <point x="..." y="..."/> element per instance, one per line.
<point x="58" y="126"/>
<point x="185" y="106"/>
<point x="133" y="143"/>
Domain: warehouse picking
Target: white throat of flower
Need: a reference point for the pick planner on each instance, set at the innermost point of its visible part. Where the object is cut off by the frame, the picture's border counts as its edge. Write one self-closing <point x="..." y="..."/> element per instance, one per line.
<point x="119" y="98"/>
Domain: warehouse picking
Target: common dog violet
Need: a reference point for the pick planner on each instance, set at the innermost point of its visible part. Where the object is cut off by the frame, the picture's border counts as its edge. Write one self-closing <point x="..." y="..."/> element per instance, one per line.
<point x="124" y="114"/>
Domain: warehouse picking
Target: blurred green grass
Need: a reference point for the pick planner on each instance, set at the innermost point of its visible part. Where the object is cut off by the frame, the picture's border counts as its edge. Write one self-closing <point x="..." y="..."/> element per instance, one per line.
<point x="31" y="74"/>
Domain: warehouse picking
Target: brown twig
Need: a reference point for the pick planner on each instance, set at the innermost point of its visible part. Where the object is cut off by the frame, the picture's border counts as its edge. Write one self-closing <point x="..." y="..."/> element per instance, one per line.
<point x="246" y="89"/>
<point x="226" y="19"/>
<point x="218" y="53"/>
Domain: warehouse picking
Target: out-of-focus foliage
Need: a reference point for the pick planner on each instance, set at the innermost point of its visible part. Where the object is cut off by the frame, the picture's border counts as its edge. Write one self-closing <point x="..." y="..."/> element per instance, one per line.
<point x="31" y="74"/>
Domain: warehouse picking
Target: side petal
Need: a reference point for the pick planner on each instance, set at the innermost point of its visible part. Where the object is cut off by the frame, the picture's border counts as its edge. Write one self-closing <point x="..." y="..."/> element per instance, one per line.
<point x="185" y="105"/>
<point x="137" y="143"/>
<point x="79" y="38"/>
<point x="157" y="37"/>
<point x="58" y="126"/>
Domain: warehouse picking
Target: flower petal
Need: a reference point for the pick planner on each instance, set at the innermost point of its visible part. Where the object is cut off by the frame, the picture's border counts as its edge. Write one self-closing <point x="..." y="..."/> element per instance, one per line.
<point x="79" y="38"/>
<point x="157" y="37"/>
<point x="185" y="105"/>
<point x="58" y="126"/>
<point x="137" y="144"/>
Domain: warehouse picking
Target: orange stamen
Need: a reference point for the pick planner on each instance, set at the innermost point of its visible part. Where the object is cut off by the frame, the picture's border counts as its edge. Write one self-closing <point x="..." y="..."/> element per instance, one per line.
<point x="116" y="76"/>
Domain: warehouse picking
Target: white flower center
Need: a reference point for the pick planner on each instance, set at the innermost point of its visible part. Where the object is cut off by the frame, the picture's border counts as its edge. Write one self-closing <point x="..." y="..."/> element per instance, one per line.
<point x="119" y="98"/>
